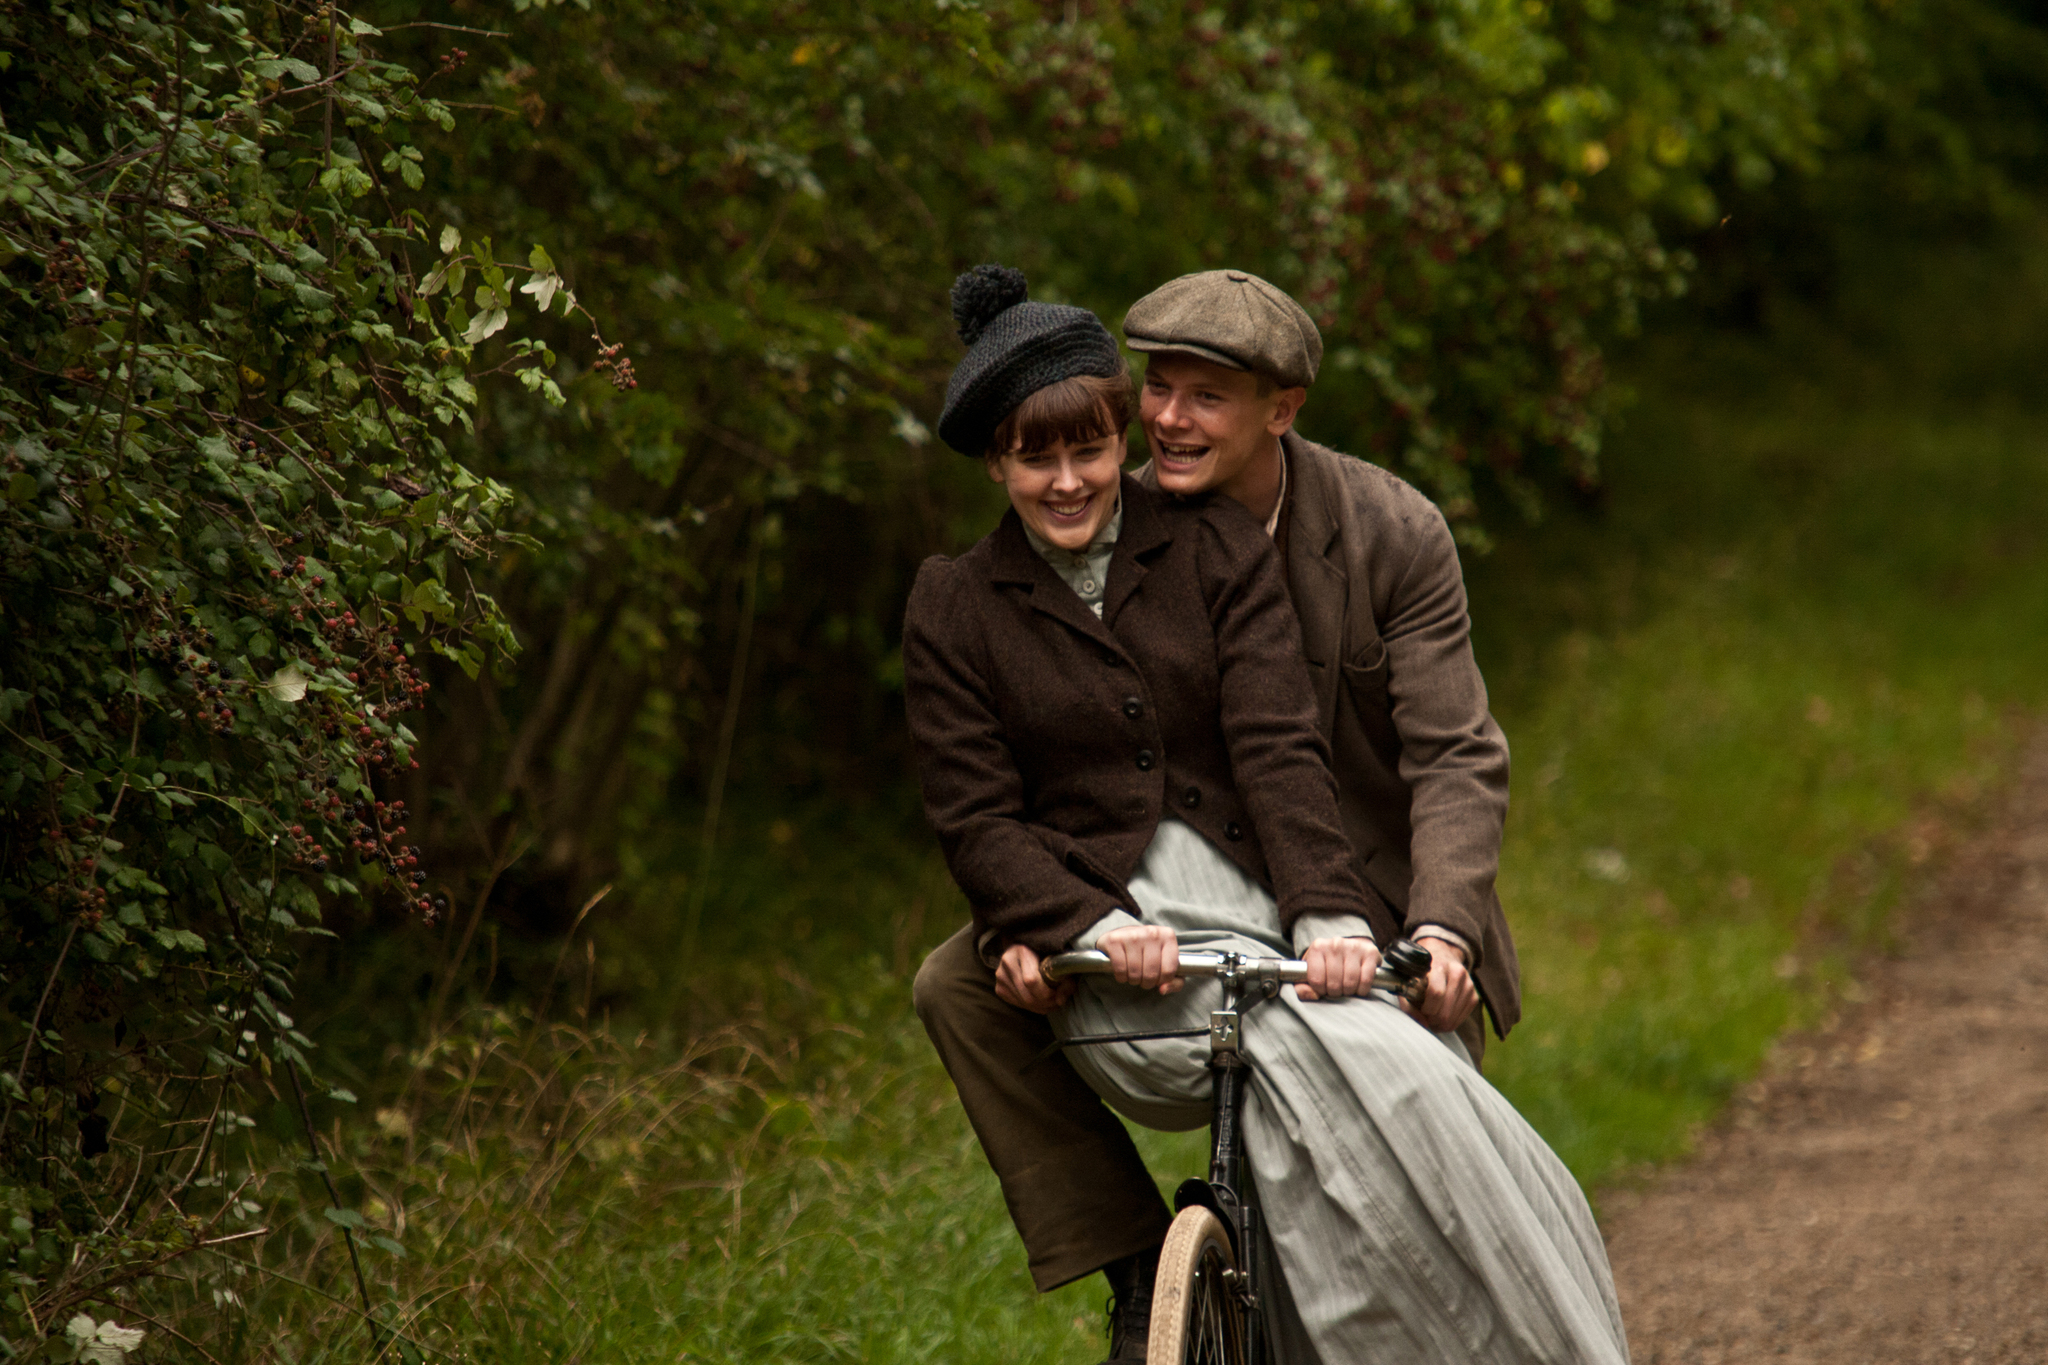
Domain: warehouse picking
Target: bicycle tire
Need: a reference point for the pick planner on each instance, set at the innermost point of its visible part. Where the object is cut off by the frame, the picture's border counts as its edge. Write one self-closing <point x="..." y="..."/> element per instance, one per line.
<point x="1196" y="1317"/>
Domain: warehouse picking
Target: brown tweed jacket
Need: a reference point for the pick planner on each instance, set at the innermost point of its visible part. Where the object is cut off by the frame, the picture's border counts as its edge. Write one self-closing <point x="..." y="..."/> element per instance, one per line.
<point x="1422" y="769"/>
<point x="1050" y="743"/>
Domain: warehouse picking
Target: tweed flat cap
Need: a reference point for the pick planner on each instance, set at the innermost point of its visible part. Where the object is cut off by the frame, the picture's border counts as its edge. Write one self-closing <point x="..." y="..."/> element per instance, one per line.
<point x="1233" y="318"/>
<point x="1014" y="348"/>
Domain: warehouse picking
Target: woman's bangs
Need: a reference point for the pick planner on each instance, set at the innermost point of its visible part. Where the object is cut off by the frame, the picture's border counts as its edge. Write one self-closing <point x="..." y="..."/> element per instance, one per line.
<point x="1077" y="410"/>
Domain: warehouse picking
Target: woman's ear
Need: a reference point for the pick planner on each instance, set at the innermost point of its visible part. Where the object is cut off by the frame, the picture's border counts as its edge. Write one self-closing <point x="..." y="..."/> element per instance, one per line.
<point x="994" y="465"/>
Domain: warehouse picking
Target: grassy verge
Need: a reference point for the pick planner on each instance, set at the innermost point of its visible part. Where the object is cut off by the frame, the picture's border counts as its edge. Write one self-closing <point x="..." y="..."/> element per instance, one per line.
<point x="1748" y="697"/>
<point x="1762" y="687"/>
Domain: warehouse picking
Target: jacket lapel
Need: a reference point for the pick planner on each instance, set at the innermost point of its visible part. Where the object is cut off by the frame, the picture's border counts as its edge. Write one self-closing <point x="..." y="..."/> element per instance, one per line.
<point x="1144" y="532"/>
<point x="1317" y="585"/>
<point x="1016" y="564"/>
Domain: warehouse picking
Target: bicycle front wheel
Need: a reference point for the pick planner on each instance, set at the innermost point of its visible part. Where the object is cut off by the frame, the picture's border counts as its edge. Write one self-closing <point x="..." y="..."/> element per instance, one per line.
<point x="1196" y="1316"/>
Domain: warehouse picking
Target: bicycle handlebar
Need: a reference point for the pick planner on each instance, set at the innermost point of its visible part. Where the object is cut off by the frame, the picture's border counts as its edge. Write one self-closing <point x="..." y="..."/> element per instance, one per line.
<point x="1193" y="962"/>
<point x="1200" y="962"/>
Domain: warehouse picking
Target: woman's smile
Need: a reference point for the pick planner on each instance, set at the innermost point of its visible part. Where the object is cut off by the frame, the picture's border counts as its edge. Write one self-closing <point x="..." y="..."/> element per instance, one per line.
<point x="1066" y="493"/>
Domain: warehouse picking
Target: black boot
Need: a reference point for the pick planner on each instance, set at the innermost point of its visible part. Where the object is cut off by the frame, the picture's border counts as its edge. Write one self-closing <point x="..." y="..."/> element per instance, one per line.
<point x="1130" y="1306"/>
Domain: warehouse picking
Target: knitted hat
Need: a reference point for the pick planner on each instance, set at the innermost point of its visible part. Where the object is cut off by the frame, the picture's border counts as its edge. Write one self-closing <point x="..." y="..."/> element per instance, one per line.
<point x="1014" y="349"/>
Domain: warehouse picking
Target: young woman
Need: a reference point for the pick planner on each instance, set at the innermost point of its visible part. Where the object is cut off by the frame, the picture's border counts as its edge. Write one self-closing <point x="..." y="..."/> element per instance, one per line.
<point x="1117" y="742"/>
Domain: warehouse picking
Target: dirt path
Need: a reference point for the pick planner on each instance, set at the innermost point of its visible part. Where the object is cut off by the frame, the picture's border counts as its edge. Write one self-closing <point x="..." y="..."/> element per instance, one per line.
<point x="1881" y="1195"/>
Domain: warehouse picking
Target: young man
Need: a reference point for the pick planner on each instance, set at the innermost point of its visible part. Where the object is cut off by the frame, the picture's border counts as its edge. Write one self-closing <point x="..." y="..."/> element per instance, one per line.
<point x="1421" y="768"/>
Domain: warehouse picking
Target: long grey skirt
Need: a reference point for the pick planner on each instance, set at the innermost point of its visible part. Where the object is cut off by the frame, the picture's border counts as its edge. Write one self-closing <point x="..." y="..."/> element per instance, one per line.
<point x="1415" y="1215"/>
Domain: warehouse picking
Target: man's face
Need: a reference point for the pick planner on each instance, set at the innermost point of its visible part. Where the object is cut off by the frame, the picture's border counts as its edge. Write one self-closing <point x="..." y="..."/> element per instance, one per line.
<point x="1207" y="424"/>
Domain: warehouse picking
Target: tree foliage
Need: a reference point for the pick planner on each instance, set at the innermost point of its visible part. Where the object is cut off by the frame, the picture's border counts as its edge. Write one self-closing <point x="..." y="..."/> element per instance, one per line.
<point x="772" y="198"/>
<point x="232" y="530"/>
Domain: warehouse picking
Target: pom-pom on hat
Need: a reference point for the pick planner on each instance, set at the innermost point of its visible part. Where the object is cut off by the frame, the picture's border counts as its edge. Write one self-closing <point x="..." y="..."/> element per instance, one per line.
<point x="1014" y="348"/>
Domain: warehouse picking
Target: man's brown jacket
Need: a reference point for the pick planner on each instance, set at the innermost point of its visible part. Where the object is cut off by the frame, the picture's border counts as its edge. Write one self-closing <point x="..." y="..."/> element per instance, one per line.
<point x="1050" y="742"/>
<point x="1422" y="769"/>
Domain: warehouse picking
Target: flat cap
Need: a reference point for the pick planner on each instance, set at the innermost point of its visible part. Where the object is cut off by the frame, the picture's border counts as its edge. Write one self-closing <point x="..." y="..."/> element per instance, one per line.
<point x="1233" y="318"/>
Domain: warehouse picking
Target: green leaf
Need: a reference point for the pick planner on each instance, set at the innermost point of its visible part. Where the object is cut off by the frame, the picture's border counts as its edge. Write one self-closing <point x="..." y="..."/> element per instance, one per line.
<point x="543" y="288"/>
<point x="485" y="324"/>
<point x="451" y="237"/>
<point x="274" y="68"/>
<point x="288" y="684"/>
<point x="346" y="1218"/>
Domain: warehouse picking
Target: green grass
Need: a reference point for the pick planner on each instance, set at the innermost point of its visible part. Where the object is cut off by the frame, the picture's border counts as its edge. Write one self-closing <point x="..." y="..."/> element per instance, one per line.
<point x="1768" y="680"/>
<point x="1771" y="679"/>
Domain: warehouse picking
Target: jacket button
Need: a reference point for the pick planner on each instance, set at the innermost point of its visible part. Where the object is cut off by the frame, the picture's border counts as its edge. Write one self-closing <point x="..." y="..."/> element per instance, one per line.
<point x="1145" y="760"/>
<point x="1133" y="708"/>
<point x="1233" y="831"/>
<point x="1191" y="798"/>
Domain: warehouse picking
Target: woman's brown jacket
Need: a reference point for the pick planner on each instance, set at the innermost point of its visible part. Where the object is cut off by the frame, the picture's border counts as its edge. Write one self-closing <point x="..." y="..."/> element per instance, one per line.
<point x="1050" y="743"/>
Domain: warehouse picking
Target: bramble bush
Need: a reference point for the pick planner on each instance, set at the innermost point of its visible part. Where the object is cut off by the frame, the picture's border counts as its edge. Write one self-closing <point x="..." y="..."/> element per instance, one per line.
<point x="232" y="529"/>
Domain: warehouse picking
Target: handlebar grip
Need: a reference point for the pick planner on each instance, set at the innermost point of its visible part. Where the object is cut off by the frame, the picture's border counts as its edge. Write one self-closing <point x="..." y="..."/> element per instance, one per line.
<point x="1408" y="959"/>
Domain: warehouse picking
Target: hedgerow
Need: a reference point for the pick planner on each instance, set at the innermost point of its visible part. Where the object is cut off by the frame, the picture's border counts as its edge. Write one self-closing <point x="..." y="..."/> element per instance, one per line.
<point x="231" y="529"/>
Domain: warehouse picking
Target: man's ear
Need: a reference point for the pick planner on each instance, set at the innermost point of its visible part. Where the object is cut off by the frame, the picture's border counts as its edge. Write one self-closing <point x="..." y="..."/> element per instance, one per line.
<point x="1287" y="404"/>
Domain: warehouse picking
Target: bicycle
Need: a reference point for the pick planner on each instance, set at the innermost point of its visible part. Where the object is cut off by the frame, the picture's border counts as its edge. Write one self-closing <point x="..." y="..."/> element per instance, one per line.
<point x="1205" y="1299"/>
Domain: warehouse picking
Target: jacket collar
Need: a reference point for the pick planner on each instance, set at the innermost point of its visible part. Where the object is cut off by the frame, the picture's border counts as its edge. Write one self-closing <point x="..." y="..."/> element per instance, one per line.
<point x="1312" y="512"/>
<point x="1013" y="561"/>
<point x="1315" y="578"/>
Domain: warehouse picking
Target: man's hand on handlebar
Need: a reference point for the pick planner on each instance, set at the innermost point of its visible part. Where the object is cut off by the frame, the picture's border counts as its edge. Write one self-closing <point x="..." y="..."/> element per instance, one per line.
<point x="1019" y="983"/>
<point x="1144" y="955"/>
<point x="1338" y="967"/>
<point x="1451" y="994"/>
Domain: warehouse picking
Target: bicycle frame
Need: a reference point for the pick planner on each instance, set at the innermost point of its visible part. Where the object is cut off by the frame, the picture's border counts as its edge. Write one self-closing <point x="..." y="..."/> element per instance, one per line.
<point x="1247" y="982"/>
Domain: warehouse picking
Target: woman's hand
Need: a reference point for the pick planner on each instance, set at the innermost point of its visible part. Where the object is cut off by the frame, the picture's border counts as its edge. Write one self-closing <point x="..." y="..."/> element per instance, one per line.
<point x="1338" y="967"/>
<point x="1144" y="955"/>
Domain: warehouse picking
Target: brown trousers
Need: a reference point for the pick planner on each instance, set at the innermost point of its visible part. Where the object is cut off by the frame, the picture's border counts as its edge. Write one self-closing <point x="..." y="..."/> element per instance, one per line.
<point x="1077" y="1189"/>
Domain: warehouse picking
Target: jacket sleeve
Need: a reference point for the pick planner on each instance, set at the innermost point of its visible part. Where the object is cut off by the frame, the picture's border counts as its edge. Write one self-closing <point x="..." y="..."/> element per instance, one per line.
<point x="1454" y="757"/>
<point x="1278" y="757"/>
<point x="1025" y="883"/>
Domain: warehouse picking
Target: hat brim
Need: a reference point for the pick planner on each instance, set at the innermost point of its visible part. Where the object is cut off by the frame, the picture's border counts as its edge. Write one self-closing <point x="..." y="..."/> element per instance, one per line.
<point x="1184" y="348"/>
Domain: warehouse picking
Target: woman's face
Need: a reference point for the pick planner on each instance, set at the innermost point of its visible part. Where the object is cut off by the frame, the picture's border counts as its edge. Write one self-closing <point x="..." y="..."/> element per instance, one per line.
<point x="1067" y="492"/>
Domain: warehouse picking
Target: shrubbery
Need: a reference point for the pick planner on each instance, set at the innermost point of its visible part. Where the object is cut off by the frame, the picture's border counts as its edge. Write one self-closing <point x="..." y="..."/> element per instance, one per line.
<point x="231" y="530"/>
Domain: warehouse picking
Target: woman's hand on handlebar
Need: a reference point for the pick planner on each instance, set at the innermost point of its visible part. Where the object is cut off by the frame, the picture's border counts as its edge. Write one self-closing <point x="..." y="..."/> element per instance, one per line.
<point x="1144" y="955"/>
<point x="1020" y="983"/>
<point x="1338" y="967"/>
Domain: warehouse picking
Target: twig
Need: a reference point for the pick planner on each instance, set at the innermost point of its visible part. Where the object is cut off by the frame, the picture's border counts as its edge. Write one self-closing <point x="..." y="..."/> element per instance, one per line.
<point x="327" y="132"/>
<point x="347" y="1234"/>
<point x="163" y="174"/>
<point x="331" y="1298"/>
<point x="451" y="28"/>
<point x="728" y="725"/>
<point x="540" y="1010"/>
<point x="37" y="1018"/>
<point x="476" y="917"/>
